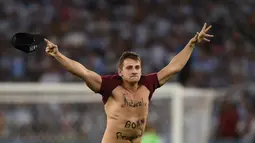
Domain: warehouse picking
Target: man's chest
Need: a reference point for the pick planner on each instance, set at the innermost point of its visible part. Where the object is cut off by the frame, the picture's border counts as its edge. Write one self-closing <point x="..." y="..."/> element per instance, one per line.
<point x="131" y="101"/>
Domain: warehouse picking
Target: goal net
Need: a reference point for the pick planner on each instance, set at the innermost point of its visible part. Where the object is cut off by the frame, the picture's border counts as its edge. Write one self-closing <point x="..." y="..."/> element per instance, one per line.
<point x="71" y="113"/>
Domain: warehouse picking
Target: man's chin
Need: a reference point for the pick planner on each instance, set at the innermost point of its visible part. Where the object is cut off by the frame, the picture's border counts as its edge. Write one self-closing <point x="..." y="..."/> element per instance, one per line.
<point x="134" y="80"/>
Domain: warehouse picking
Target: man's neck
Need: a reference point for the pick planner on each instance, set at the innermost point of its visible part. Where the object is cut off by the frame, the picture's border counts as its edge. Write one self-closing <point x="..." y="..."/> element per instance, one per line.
<point x="130" y="87"/>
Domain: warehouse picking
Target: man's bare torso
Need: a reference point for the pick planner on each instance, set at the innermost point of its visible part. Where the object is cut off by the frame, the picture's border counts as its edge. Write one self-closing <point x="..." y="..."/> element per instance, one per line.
<point x="126" y="115"/>
<point x="126" y="112"/>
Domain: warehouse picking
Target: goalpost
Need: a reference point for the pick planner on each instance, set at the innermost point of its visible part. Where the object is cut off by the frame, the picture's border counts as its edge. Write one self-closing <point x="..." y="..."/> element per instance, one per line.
<point x="180" y="115"/>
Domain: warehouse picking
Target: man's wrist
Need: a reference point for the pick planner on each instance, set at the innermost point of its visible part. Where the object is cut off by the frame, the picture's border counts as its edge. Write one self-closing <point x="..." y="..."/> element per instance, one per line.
<point x="193" y="41"/>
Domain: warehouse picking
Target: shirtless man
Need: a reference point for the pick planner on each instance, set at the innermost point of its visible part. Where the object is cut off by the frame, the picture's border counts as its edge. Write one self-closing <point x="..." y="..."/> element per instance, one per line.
<point x="126" y="95"/>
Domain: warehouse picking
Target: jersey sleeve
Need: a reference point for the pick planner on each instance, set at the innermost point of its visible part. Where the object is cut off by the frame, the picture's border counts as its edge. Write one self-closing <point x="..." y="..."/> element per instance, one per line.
<point x="109" y="83"/>
<point x="150" y="81"/>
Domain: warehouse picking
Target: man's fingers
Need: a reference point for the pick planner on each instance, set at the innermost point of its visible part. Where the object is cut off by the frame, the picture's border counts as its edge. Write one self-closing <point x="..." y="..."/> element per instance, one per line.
<point x="47" y="41"/>
<point x="204" y="27"/>
<point x="208" y="28"/>
<point x="49" y="46"/>
<point x="208" y="35"/>
<point x="207" y="40"/>
<point x="47" y="51"/>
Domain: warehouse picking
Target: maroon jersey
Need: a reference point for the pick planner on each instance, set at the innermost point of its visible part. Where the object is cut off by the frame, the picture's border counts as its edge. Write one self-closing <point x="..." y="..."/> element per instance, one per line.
<point x="110" y="82"/>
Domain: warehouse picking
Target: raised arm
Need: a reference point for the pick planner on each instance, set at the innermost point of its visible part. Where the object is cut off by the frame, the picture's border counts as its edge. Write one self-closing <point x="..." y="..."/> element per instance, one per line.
<point x="180" y="60"/>
<point x="92" y="79"/>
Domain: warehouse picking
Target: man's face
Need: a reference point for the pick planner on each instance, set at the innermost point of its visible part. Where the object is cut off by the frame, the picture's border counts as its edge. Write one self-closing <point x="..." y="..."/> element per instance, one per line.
<point x="131" y="70"/>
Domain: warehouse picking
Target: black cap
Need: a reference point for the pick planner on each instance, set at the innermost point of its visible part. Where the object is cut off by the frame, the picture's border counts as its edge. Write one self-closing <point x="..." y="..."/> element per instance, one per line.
<point x="26" y="42"/>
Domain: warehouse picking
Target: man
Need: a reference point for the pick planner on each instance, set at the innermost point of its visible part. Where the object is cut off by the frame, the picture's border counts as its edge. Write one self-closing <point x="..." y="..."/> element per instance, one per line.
<point x="126" y="95"/>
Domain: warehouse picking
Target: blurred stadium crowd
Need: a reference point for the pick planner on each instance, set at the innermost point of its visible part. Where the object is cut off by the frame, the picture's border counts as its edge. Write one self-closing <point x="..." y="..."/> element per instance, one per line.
<point x="96" y="32"/>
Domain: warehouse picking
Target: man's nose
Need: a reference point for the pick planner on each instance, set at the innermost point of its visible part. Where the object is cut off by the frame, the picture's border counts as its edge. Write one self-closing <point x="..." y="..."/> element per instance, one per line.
<point x="134" y="72"/>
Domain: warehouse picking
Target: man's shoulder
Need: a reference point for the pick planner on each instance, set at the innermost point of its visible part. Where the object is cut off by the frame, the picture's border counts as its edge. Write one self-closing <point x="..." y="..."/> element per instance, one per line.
<point x="109" y="83"/>
<point x="111" y="80"/>
<point x="150" y="81"/>
<point x="111" y="76"/>
<point x="148" y="77"/>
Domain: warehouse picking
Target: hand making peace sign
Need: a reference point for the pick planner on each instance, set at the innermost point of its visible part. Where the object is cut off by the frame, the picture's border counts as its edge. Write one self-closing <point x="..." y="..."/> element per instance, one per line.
<point x="202" y="35"/>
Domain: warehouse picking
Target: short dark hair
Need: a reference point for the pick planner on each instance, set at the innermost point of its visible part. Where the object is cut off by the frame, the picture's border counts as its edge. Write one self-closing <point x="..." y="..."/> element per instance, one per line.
<point x="128" y="55"/>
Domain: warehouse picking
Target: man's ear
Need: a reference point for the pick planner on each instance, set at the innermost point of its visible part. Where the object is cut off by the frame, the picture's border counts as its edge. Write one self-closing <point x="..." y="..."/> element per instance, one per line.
<point x="119" y="72"/>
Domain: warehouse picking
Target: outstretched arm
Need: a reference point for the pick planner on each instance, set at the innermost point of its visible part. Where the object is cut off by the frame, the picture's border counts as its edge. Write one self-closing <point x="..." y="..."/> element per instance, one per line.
<point x="180" y="60"/>
<point x="92" y="79"/>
